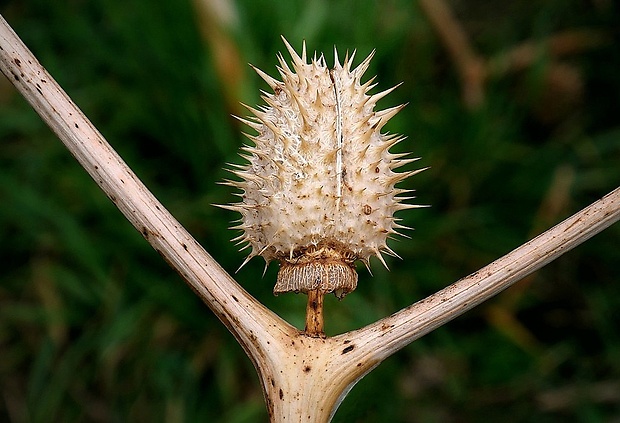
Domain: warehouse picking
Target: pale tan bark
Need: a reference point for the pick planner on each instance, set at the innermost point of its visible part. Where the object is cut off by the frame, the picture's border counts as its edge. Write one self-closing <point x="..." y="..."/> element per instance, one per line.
<point x="304" y="378"/>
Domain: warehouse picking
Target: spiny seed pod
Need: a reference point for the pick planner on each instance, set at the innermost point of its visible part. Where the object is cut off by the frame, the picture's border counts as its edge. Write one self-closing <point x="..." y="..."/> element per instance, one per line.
<point x="318" y="189"/>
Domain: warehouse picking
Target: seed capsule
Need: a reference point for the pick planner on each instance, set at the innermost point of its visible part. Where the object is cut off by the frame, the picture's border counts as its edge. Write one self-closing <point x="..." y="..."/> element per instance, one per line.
<point x="318" y="191"/>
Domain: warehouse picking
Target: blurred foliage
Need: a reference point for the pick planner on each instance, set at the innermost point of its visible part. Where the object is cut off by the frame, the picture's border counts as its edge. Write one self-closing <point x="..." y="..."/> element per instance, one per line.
<point x="95" y="327"/>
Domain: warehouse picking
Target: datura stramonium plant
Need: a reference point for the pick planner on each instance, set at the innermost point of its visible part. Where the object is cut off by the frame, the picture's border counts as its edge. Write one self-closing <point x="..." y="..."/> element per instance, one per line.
<point x="318" y="192"/>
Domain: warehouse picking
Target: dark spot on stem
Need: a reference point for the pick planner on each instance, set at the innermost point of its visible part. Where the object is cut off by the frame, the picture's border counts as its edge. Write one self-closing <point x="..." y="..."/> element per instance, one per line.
<point x="348" y="349"/>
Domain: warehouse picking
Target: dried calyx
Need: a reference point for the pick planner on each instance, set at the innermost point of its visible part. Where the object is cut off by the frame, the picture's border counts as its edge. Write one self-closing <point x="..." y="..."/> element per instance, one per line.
<point x="318" y="188"/>
<point x="326" y="267"/>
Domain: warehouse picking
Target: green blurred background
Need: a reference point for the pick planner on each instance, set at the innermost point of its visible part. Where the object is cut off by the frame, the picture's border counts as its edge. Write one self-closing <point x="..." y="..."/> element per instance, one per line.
<point x="95" y="327"/>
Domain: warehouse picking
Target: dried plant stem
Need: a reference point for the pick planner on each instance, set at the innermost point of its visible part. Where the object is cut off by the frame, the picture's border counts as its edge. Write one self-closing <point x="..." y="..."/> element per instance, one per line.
<point x="474" y="69"/>
<point x="470" y="66"/>
<point x="304" y="378"/>
<point x="314" y="314"/>
<point x="229" y="301"/>
<point x="402" y="328"/>
<point x="557" y="45"/>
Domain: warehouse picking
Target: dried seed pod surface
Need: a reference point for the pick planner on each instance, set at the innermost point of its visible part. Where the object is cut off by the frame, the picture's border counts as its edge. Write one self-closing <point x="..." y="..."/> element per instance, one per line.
<point x="318" y="191"/>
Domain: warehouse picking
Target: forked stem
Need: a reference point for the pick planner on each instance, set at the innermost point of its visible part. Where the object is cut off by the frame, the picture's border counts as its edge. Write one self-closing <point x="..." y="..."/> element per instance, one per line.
<point x="304" y="376"/>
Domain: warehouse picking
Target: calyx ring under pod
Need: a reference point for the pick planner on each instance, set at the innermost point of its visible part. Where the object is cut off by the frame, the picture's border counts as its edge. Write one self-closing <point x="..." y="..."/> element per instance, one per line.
<point x="318" y="191"/>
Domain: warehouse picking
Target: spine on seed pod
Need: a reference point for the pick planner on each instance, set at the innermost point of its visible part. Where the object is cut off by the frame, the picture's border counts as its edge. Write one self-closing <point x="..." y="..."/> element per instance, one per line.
<point x="318" y="189"/>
